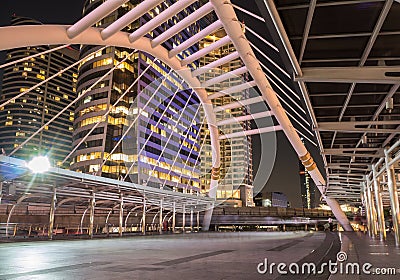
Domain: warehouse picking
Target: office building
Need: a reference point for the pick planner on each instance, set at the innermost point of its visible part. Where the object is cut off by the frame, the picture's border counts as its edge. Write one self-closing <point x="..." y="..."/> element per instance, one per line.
<point x="156" y="151"/>
<point x="23" y="116"/>
<point x="236" y="153"/>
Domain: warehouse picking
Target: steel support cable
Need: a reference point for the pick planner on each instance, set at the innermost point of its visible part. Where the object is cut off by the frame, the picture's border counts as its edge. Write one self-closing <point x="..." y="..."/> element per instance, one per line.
<point x="131" y="125"/>
<point x="191" y="150"/>
<point x="147" y="140"/>
<point x="33" y="56"/>
<point x="106" y="114"/>
<point x="180" y="149"/>
<point x="46" y="80"/>
<point x="170" y="136"/>
<point x="72" y="103"/>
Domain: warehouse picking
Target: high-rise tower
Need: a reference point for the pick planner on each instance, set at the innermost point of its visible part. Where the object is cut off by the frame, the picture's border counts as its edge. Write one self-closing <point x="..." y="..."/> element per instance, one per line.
<point x="236" y="153"/>
<point x="162" y="147"/>
<point x="25" y="115"/>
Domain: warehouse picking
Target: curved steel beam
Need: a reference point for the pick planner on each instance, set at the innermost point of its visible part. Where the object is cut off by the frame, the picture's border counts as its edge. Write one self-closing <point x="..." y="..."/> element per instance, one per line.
<point x="36" y="35"/>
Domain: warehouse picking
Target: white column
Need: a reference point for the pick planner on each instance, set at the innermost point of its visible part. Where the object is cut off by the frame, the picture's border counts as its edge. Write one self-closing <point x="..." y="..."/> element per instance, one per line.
<point x="161" y="216"/>
<point x="394" y="198"/>
<point x="372" y="208"/>
<point x="52" y="212"/>
<point x="183" y="218"/>
<point x="91" y="214"/>
<point x="173" y="216"/>
<point x="191" y="219"/>
<point x="198" y="221"/>
<point x="144" y="216"/>
<point x="379" y="204"/>
<point x="121" y="214"/>
<point x="367" y="209"/>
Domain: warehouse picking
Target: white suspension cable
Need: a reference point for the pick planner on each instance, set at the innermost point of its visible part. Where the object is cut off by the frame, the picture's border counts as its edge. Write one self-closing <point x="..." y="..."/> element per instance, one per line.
<point x="48" y="79"/>
<point x="170" y="136"/>
<point x="131" y="125"/>
<point x="158" y="122"/>
<point x="262" y="39"/>
<point x="32" y="56"/>
<point x="270" y="60"/>
<point x="249" y="13"/>
<point x="191" y="150"/>
<point x="106" y="114"/>
<point x="70" y="104"/>
<point x="284" y="84"/>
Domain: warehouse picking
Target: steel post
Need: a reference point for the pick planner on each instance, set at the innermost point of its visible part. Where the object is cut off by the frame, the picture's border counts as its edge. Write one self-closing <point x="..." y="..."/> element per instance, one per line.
<point x="379" y="203"/>
<point x="173" y="216"/>
<point x="367" y="209"/>
<point x="183" y="218"/>
<point x="144" y="216"/>
<point x="161" y="216"/>
<point x="52" y="212"/>
<point x="198" y="221"/>
<point x="91" y="214"/>
<point x="191" y="219"/>
<point x="394" y="198"/>
<point x="121" y="214"/>
<point x="372" y="210"/>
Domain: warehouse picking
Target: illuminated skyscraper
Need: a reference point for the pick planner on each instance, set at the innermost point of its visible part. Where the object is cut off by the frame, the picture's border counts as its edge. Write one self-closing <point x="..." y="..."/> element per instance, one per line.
<point x="157" y="151"/>
<point x="22" y="117"/>
<point x="236" y="153"/>
<point x="308" y="188"/>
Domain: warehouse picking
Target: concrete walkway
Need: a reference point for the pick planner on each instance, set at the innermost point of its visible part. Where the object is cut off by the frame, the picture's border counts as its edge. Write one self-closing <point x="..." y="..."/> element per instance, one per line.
<point x="214" y="255"/>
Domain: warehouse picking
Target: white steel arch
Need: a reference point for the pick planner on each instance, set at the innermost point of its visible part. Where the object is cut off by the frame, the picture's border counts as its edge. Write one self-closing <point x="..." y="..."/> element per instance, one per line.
<point x="35" y="35"/>
<point x="81" y="33"/>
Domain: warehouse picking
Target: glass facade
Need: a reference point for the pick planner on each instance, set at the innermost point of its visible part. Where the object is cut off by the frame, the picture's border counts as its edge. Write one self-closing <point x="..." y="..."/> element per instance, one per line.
<point x="236" y="153"/>
<point x="25" y="115"/>
<point x="161" y="143"/>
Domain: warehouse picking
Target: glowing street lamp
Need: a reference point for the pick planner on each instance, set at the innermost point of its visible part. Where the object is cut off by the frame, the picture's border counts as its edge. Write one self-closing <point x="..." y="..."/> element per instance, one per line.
<point x="39" y="164"/>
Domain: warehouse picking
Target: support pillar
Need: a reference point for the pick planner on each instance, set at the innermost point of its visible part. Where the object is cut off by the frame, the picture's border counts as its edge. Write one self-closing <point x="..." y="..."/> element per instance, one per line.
<point x="52" y="212"/>
<point x="207" y="217"/>
<point x="191" y="219"/>
<point x="91" y="214"/>
<point x="372" y="210"/>
<point x="161" y="216"/>
<point x="379" y="203"/>
<point x="173" y="217"/>
<point x="198" y="221"/>
<point x="144" y="216"/>
<point x="366" y="207"/>
<point x="183" y="218"/>
<point x="1" y="191"/>
<point x="121" y="214"/>
<point x="394" y="198"/>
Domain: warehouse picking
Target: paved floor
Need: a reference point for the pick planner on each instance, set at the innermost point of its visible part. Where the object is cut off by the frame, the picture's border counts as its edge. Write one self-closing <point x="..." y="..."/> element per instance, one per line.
<point x="191" y="256"/>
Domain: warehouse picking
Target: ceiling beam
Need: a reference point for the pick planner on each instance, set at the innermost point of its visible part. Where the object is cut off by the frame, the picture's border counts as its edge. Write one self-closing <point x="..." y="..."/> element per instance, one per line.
<point x="307" y="27"/>
<point x="370" y="74"/>
<point x="354" y="126"/>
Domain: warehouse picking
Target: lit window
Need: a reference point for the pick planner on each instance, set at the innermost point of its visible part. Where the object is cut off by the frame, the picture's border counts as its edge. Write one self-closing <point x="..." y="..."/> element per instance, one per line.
<point x="9" y="123"/>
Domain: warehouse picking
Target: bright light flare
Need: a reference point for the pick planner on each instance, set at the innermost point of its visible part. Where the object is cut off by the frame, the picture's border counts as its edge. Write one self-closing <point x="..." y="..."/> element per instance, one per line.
<point x="39" y="164"/>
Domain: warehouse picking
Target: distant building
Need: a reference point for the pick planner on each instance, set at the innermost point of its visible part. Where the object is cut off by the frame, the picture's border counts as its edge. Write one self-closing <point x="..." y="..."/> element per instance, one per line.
<point x="24" y="116"/>
<point x="144" y="152"/>
<point x="271" y="199"/>
<point x="236" y="168"/>
<point x="308" y="188"/>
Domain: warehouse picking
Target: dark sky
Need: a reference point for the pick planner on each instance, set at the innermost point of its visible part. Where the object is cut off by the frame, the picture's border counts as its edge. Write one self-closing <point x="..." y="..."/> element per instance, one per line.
<point x="284" y="176"/>
<point x="46" y="11"/>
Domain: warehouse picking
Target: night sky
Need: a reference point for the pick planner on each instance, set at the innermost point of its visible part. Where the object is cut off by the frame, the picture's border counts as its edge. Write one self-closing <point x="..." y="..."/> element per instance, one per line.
<point x="284" y="176"/>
